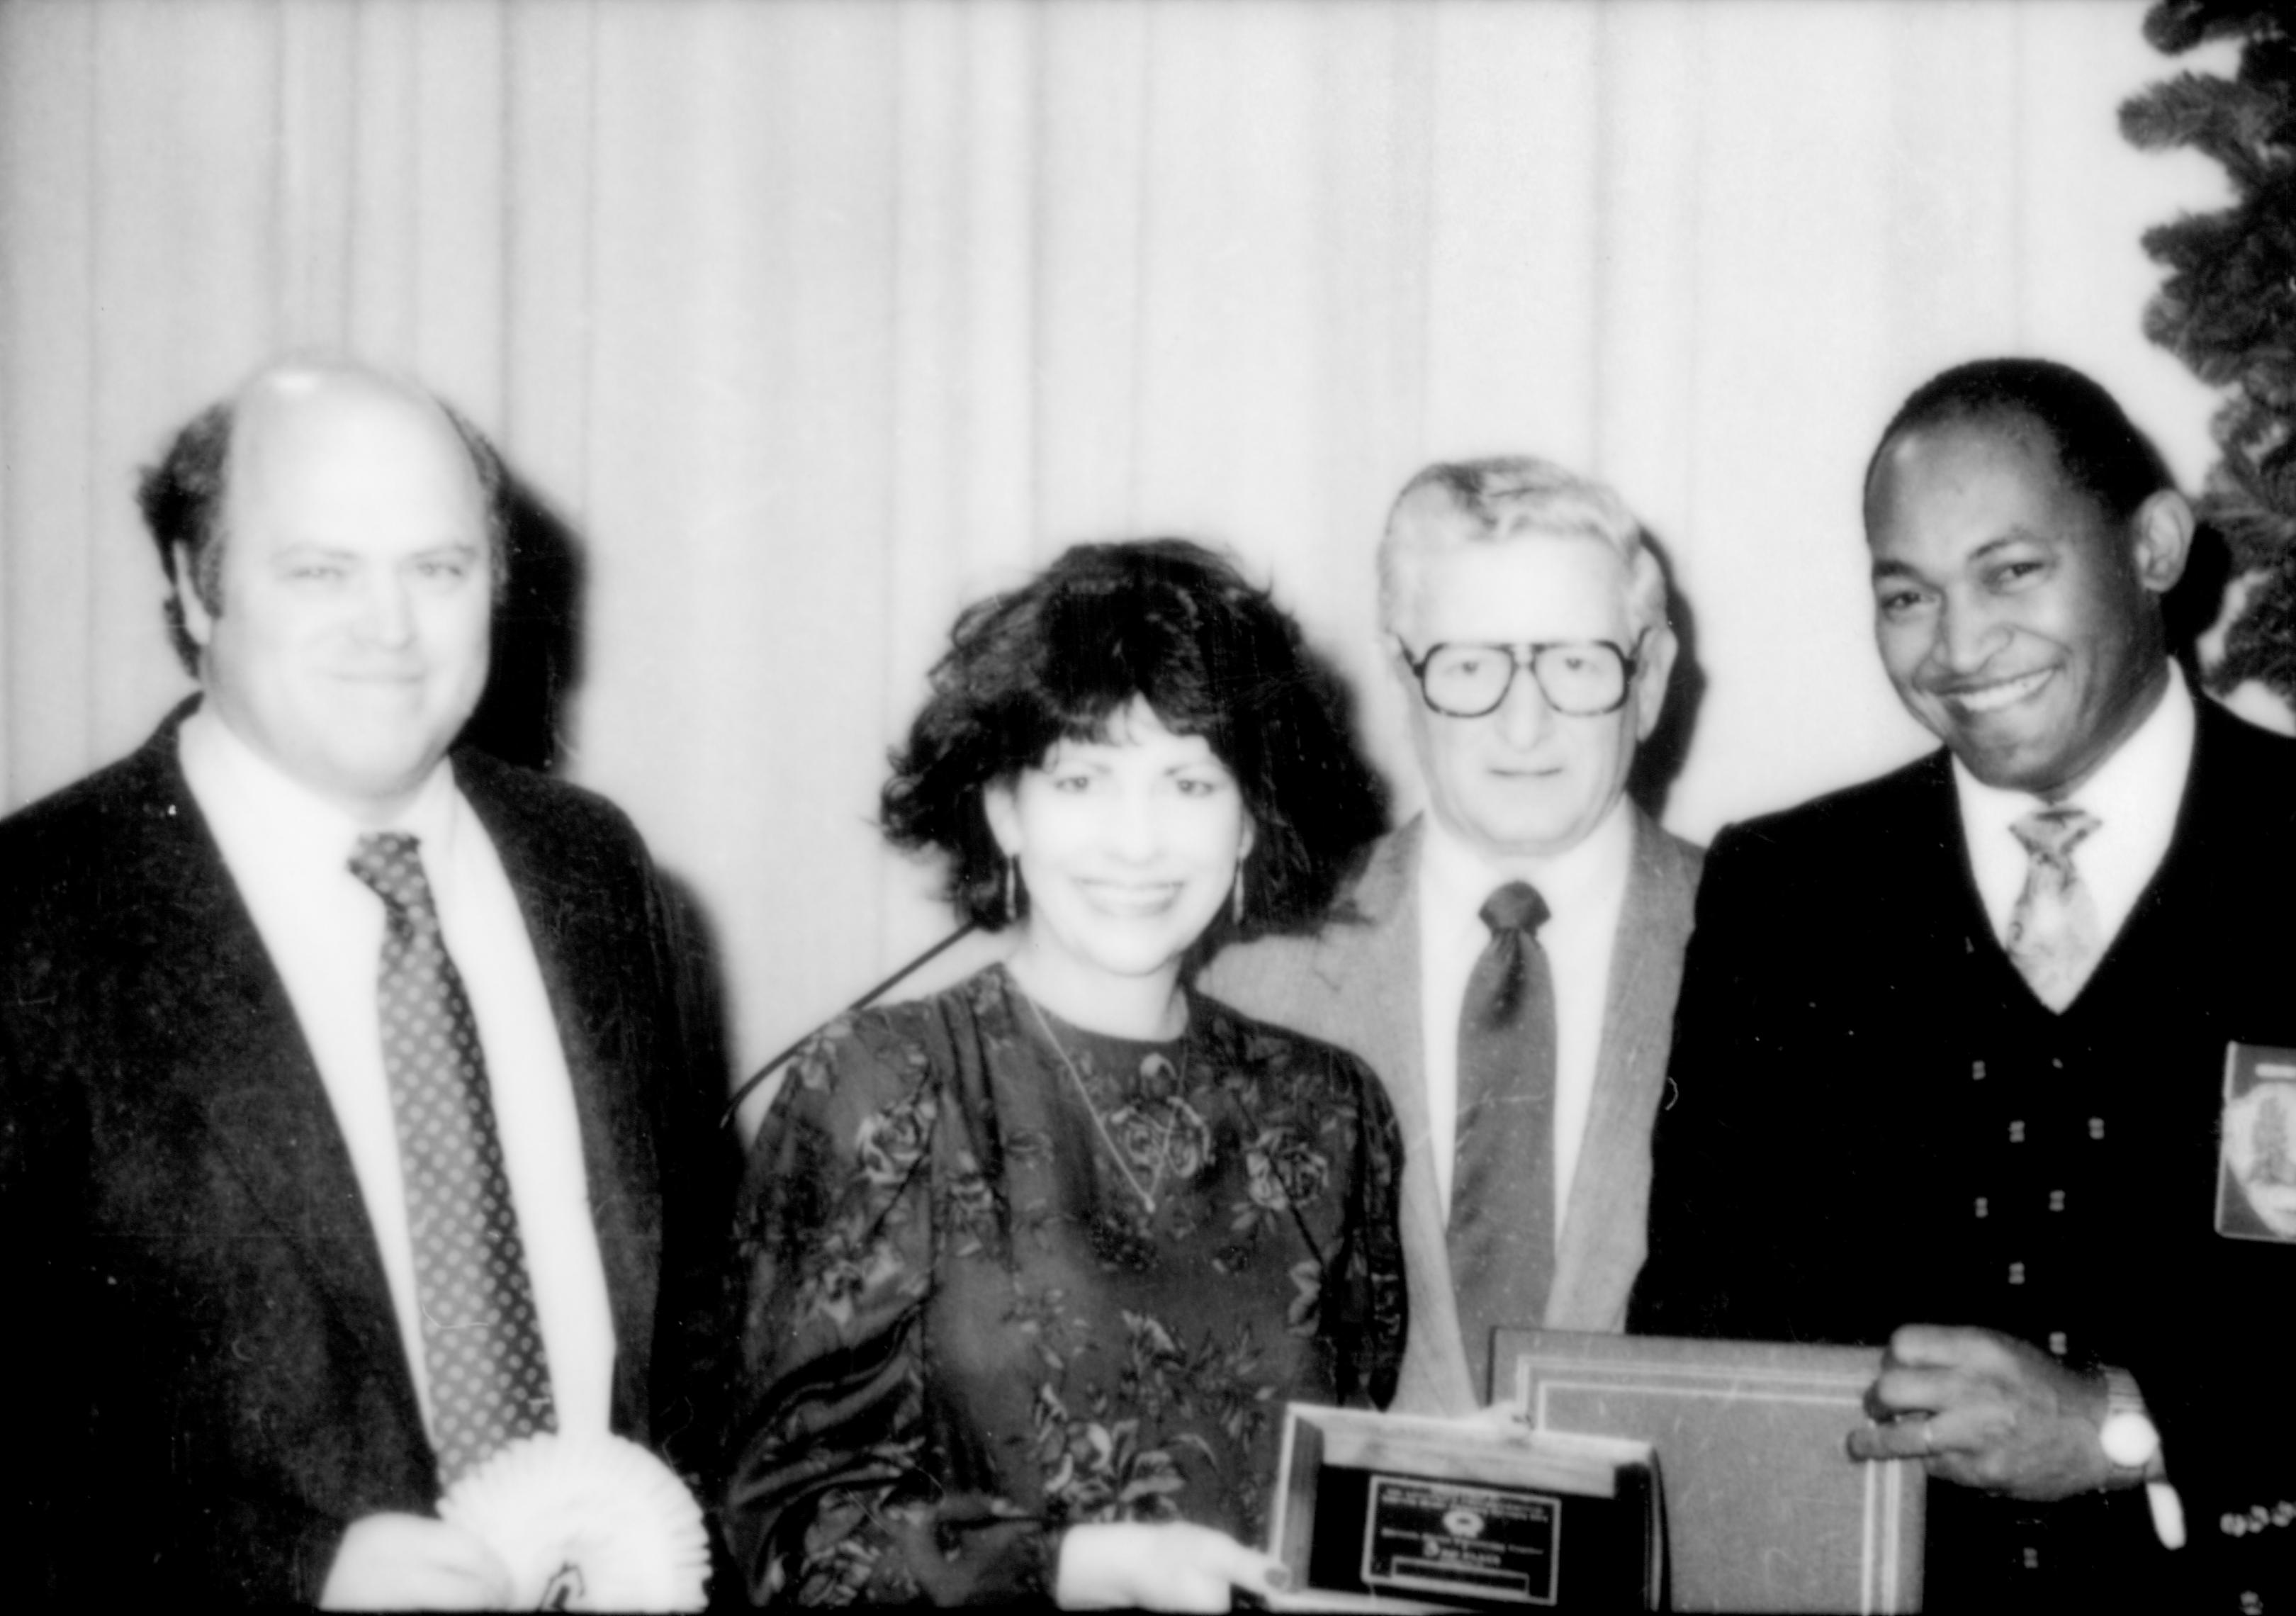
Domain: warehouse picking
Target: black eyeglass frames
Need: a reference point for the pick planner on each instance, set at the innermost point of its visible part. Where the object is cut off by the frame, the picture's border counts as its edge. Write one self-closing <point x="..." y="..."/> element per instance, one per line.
<point x="1580" y="679"/>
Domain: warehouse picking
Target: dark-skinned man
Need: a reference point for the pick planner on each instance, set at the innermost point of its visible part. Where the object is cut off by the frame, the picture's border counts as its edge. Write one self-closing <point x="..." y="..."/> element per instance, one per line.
<point x="1957" y="1047"/>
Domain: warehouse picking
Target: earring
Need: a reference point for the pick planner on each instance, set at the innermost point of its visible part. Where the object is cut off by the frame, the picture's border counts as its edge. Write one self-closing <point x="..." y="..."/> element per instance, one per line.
<point x="1236" y="906"/>
<point x="1012" y="889"/>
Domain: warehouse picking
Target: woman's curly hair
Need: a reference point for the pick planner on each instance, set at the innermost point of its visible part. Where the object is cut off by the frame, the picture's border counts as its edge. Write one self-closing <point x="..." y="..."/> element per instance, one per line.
<point x="1170" y="622"/>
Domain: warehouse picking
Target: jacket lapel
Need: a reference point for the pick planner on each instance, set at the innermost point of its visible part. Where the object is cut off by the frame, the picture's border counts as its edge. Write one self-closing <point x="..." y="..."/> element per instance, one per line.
<point x="253" y="1087"/>
<point x="1367" y="960"/>
<point x="1601" y="1242"/>
<point x="582" y="938"/>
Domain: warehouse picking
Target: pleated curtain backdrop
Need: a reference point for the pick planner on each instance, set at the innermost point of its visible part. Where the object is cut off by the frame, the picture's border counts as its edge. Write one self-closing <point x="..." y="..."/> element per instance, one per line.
<point x="812" y="320"/>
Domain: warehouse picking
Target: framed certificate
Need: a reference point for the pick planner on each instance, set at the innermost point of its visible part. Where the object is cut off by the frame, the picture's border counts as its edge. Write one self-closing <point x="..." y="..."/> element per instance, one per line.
<point x="1379" y="1512"/>
<point x="1764" y="1509"/>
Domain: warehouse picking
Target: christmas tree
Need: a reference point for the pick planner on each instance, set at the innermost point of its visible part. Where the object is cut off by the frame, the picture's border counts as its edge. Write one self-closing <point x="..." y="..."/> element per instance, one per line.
<point x="2227" y="308"/>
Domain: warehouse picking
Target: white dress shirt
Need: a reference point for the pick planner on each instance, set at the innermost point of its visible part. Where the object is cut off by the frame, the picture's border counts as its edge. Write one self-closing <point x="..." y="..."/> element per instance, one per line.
<point x="288" y="851"/>
<point x="1586" y="892"/>
<point x="2135" y="794"/>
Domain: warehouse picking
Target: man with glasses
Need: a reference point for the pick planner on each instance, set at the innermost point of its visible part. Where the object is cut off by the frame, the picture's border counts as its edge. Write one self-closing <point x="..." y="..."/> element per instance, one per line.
<point x="1507" y="960"/>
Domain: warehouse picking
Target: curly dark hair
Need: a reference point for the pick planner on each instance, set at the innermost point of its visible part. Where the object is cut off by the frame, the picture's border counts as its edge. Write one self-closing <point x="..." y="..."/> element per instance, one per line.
<point x="1170" y="622"/>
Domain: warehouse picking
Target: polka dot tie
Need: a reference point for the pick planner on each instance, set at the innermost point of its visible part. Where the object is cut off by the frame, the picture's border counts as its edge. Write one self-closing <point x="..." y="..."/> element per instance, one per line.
<point x="489" y="1378"/>
<point x="2055" y="939"/>
<point x="1501" y="1232"/>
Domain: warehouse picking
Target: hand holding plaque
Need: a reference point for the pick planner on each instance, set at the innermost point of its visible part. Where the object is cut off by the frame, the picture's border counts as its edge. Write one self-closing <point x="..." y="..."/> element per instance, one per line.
<point x="1163" y="1565"/>
<point x="1988" y="1411"/>
<point x="1397" y="1513"/>
<point x="1764" y="1510"/>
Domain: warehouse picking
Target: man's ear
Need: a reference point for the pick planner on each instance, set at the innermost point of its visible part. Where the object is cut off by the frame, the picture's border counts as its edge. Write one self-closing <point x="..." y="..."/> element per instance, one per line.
<point x="1387" y="645"/>
<point x="199" y="622"/>
<point x="2160" y="535"/>
<point x="1659" y="648"/>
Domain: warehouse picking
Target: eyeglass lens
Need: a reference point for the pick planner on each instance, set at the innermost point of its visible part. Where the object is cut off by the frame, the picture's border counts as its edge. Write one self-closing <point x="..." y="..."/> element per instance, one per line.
<point x="1581" y="680"/>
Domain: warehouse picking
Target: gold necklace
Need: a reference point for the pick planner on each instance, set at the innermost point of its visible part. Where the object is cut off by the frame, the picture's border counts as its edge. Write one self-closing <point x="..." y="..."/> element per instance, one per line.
<point x="1163" y="1140"/>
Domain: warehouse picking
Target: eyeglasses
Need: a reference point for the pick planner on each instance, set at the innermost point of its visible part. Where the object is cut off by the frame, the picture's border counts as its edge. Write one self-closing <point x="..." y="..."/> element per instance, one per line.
<point x="1580" y="678"/>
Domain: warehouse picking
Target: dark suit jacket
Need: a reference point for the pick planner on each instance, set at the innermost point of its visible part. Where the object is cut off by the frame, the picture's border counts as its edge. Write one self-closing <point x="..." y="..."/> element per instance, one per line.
<point x="209" y="1372"/>
<point x="1876" y="1124"/>
<point x="1356" y="984"/>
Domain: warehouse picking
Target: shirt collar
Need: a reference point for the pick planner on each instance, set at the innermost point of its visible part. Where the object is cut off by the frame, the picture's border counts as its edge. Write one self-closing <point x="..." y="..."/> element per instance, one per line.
<point x="301" y="825"/>
<point x="2138" y="787"/>
<point x="1457" y="879"/>
<point x="2134" y="793"/>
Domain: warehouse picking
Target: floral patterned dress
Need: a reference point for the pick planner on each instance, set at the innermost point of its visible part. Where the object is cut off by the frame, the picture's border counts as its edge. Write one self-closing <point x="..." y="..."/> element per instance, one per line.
<point x="968" y="1327"/>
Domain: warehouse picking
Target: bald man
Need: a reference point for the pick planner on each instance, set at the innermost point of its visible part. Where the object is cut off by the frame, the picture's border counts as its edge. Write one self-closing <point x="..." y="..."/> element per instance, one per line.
<point x="352" y="1102"/>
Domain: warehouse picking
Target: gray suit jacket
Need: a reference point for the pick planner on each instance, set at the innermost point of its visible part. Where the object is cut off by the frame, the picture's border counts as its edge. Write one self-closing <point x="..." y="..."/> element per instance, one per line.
<point x="1356" y="984"/>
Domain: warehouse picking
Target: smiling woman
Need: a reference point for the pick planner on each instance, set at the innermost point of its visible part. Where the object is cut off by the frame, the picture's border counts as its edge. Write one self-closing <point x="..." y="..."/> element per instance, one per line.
<point x="1032" y="1264"/>
<point x="1126" y="848"/>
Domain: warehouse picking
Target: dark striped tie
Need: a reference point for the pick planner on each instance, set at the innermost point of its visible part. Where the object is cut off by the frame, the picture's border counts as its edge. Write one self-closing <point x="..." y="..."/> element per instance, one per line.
<point x="1501" y="1232"/>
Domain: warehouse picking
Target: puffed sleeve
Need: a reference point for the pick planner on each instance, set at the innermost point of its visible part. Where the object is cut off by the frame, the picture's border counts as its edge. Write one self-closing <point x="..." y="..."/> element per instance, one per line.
<point x="1375" y="1318"/>
<point x="831" y="1495"/>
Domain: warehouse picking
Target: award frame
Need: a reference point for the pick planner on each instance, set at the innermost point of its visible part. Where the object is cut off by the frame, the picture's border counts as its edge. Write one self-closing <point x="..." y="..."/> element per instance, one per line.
<point x="1764" y="1508"/>
<point x="1424" y="1514"/>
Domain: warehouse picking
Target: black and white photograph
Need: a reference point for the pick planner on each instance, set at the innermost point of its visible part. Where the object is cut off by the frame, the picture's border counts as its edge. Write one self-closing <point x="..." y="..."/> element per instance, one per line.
<point x="808" y="801"/>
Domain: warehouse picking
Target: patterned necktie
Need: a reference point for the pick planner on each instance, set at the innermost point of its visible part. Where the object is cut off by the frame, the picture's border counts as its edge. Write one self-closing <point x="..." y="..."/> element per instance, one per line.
<point x="2054" y="937"/>
<point x="482" y="1344"/>
<point x="1502" y="1227"/>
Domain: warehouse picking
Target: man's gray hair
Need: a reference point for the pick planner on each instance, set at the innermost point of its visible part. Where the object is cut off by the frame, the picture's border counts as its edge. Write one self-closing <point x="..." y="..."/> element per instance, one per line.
<point x="1505" y="498"/>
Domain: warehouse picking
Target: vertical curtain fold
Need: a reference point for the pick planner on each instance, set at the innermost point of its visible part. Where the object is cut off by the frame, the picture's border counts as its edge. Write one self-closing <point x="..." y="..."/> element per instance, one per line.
<point x="812" y="320"/>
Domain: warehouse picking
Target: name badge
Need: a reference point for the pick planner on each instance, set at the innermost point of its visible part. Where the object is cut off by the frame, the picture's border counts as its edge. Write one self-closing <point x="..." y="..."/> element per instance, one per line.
<point x="2256" y="1182"/>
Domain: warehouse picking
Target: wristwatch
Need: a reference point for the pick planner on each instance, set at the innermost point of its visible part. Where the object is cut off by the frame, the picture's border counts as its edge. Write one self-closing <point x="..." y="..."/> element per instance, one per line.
<point x="2129" y="1437"/>
<point x="2132" y="1447"/>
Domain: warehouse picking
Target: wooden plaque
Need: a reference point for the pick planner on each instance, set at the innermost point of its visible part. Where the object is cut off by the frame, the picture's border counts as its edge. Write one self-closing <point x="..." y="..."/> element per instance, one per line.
<point x="1764" y="1508"/>
<point x="1392" y="1512"/>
